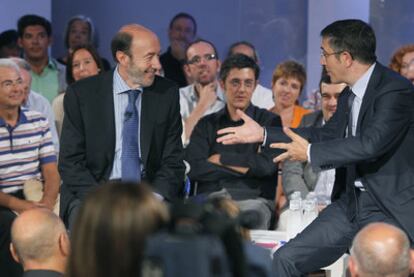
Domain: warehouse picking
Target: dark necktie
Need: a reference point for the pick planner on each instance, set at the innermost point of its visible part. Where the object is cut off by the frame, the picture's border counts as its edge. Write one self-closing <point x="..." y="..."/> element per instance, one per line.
<point x="350" y="102"/>
<point x="130" y="160"/>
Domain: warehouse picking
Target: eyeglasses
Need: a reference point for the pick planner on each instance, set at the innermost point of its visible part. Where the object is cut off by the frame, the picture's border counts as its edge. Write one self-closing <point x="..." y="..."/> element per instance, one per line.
<point x="325" y="54"/>
<point x="197" y="59"/>
<point x="236" y="83"/>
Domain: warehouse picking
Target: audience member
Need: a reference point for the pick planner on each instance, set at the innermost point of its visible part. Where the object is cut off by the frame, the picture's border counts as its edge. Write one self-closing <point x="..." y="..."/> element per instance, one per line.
<point x="35" y="101"/>
<point x="241" y="172"/>
<point x="262" y="97"/>
<point x="299" y="176"/>
<point x="204" y="96"/>
<point x="27" y="153"/>
<point x="83" y="62"/>
<point x="123" y="124"/>
<point x="381" y="250"/>
<point x="288" y="81"/>
<point x="403" y="61"/>
<point x="8" y="44"/>
<point x="181" y="32"/>
<point x="40" y="243"/>
<point x="35" y="37"/>
<point x="109" y="235"/>
<point x="80" y="31"/>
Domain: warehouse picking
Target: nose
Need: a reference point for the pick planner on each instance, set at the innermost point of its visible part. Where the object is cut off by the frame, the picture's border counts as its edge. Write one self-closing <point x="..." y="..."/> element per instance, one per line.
<point x="156" y="64"/>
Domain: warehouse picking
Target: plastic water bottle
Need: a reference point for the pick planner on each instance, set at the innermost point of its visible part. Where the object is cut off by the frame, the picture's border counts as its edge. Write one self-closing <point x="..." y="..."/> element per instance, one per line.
<point x="310" y="212"/>
<point x="294" y="223"/>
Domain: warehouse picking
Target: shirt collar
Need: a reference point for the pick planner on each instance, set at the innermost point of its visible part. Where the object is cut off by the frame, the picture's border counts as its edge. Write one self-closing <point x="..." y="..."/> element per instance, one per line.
<point x="22" y="118"/>
<point x="249" y="111"/>
<point x="120" y="85"/>
<point x="361" y="85"/>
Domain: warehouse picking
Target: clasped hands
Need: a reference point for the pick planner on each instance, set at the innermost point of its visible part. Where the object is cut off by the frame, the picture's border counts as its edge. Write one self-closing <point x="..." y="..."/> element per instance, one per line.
<point x="252" y="132"/>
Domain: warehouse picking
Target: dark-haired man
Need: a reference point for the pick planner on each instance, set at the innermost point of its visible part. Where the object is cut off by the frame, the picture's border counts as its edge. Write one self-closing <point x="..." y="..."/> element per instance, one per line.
<point x="123" y="124"/>
<point x="241" y="172"/>
<point x="181" y="32"/>
<point x="369" y="140"/>
<point x="35" y="37"/>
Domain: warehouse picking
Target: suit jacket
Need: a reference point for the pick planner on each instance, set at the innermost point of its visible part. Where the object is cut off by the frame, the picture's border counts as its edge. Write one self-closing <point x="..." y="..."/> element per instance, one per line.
<point x="299" y="176"/>
<point x="380" y="155"/>
<point x="88" y="136"/>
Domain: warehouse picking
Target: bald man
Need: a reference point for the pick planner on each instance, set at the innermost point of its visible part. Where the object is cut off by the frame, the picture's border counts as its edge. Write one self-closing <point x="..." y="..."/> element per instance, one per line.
<point x="381" y="249"/>
<point x="122" y="125"/>
<point x="40" y="243"/>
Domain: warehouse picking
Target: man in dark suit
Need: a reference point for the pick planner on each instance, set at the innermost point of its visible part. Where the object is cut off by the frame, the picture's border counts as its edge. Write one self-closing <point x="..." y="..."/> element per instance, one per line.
<point x="99" y="114"/>
<point x="372" y="154"/>
<point x="40" y="243"/>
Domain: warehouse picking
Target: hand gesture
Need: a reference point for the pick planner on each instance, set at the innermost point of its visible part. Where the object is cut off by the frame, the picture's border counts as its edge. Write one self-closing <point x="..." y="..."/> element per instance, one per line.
<point x="295" y="150"/>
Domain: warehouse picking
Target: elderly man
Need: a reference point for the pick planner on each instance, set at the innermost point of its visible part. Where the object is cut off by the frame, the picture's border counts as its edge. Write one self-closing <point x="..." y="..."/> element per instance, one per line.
<point x="381" y="249"/>
<point x="122" y="125"/>
<point x="241" y="172"/>
<point x="205" y="95"/>
<point x="27" y="154"/>
<point x="40" y="243"/>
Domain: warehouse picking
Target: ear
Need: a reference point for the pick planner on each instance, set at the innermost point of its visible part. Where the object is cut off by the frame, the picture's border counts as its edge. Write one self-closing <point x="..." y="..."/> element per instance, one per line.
<point x="64" y="244"/>
<point x="222" y="85"/>
<point x="122" y="58"/>
<point x="187" y="70"/>
<point x="352" y="266"/>
<point x="14" y="253"/>
<point x="19" y="42"/>
<point x="218" y="65"/>
<point x="346" y="58"/>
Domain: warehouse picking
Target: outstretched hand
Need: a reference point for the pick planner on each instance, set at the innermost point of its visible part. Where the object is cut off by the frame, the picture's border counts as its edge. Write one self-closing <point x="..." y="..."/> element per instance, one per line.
<point x="249" y="132"/>
<point x="295" y="150"/>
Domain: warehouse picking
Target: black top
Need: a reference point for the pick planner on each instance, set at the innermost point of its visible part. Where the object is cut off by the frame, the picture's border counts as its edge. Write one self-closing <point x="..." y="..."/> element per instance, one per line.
<point x="261" y="178"/>
<point x="173" y="68"/>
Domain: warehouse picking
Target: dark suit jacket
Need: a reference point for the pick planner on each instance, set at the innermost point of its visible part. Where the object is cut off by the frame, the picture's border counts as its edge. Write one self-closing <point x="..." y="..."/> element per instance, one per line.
<point x="88" y="136"/>
<point x="381" y="154"/>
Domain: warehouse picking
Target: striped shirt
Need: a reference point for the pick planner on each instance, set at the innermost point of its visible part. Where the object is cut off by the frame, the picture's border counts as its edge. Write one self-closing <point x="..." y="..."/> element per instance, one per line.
<point x="23" y="149"/>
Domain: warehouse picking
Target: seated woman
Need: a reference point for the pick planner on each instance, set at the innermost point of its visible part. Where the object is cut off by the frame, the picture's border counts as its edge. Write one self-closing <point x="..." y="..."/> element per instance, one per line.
<point x="403" y="61"/>
<point x="108" y="238"/>
<point x="82" y="63"/>
<point x="80" y="30"/>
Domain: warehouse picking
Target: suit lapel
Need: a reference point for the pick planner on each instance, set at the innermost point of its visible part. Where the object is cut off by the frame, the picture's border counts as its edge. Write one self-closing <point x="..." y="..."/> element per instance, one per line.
<point x="369" y="93"/>
<point x="148" y="111"/>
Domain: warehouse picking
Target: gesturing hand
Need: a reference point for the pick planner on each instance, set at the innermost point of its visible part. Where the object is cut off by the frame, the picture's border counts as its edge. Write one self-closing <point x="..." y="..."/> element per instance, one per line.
<point x="295" y="150"/>
<point x="249" y="132"/>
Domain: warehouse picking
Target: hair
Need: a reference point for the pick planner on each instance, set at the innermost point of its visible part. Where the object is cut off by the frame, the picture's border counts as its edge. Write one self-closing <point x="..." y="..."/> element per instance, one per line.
<point x="353" y="36"/>
<point x="290" y="69"/>
<point x="184" y="15"/>
<point x="121" y="42"/>
<point x="92" y="39"/>
<point x="238" y="61"/>
<point x="8" y="39"/>
<point x="370" y="255"/>
<point x="69" y="66"/>
<point x="31" y="20"/>
<point x="199" y="41"/>
<point x="22" y="63"/>
<point x="8" y="63"/>
<point x="245" y="43"/>
<point x="40" y="243"/>
<point x="396" y="59"/>
<point x="112" y="225"/>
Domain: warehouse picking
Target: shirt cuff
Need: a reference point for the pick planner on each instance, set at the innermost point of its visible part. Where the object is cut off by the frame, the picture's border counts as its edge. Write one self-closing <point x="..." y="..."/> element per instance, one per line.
<point x="308" y="153"/>
<point x="264" y="137"/>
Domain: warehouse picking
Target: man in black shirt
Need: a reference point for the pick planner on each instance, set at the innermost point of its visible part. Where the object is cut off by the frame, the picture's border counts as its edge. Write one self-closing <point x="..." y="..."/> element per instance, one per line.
<point x="182" y="31"/>
<point x="242" y="172"/>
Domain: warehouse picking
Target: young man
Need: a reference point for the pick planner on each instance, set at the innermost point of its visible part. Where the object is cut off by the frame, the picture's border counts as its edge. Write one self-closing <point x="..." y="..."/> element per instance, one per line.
<point x="369" y="140"/>
<point x="241" y="172"/>
<point x="35" y="37"/>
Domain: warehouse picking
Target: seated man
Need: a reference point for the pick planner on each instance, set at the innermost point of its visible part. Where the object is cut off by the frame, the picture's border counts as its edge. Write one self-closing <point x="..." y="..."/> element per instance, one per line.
<point x="27" y="154"/>
<point x="204" y="96"/>
<point x="381" y="249"/>
<point x="40" y="243"/>
<point x="299" y="176"/>
<point x="241" y="172"/>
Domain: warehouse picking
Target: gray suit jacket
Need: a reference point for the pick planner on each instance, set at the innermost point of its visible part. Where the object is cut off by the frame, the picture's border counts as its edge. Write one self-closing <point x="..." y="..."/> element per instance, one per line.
<point x="299" y="176"/>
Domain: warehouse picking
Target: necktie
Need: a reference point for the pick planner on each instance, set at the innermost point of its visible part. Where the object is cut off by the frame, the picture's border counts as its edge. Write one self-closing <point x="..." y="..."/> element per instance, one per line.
<point x="350" y="102"/>
<point x="130" y="160"/>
